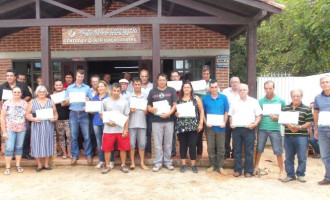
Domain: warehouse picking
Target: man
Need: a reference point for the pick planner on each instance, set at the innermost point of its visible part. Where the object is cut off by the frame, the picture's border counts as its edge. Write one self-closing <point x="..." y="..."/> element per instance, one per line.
<point x="175" y="76"/>
<point x="162" y="123"/>
<point x="107" y="79"/>
<point x="246" y="109"/>
<point x="27" y="139"/>
<point x="145" y="88"/>
<point x="39" y="81"/>
<point x="79" y="118"/>
<point x="216" y="103"/>
<point x="94" y="82"/>
<point x="124" y="93"/>
<point x="68" y="79"/>
<point x="113" y="132"/>
<point x="322" y="103"/>
<point x="138" y="125"/>
<point x="296" y="138"/>
<point x="269" y="127"/>
<point x="232" y="95"/>
<point x="128" y="77"/>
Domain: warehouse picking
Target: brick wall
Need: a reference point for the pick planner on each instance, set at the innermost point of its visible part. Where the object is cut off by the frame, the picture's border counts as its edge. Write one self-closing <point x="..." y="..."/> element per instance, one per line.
<point x="172" y="37"/>
<point x="4" y="65"/>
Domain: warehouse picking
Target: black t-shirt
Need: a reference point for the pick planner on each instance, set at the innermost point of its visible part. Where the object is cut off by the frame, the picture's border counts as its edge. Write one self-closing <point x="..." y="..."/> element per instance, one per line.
<point x="63" y="112"/>
<point x="168" y="94"/>
<point x="24" y="88"/>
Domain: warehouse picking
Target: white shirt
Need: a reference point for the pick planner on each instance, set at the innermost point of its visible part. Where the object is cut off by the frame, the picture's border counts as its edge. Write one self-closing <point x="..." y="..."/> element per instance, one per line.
<point x="231" y="96"/>
<point x="126" y="95"/>
<point x="130" y="87"/>
<point x="248" y="109"/>
<point x="147" y="89"/>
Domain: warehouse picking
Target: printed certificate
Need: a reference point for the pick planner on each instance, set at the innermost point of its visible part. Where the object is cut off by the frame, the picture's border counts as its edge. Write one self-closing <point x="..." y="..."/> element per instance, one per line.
<point x="271" y="109"/>
<point x="288" y="118"/>
<point x="175" y="84"/>
<point x="186" y="110"/>
<point x="115" y="117"/>
<point x="214" y="120"/>
<point x="324" y="118"/>
<point x="58" y="97"/>
<point x="198" y="85"/>
<point x="93" y="106"/>
<point x="139" y="104"/>
<point x="77" y="97"/>
<point x="45" y="114"/>
<point x="7" y="94"/>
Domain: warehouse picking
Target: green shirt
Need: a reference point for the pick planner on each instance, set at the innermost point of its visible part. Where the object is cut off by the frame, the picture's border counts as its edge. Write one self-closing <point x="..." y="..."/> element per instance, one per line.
<point x="305" y="116"/>
<point x="266" y="122"/>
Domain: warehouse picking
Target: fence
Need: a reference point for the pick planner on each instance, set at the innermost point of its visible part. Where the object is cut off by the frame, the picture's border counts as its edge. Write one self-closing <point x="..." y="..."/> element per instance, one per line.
<point x="284" y="83"/>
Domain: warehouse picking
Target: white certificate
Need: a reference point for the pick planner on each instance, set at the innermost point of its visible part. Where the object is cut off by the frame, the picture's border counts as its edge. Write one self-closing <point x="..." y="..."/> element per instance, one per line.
<point x="241" y="121"/>
<point x="271" y="109"/>
<point x="93" y="106"/>
<point x="324" y="118"/>
<point x="214" y="120"/>
<point x="162" y="107"/>
<point x="45" y="114"/>
<point x="288" y="118"/>
<point x="7" y="94"/>
<point x="198" y="85"/>
<point x="175" y="84"/>
<point x="115" y="117"/>
<point x="139" y="104"/>
<point x="186" y="110"/>
<point x="77" y="97"/>
<point x="58" y="97"/>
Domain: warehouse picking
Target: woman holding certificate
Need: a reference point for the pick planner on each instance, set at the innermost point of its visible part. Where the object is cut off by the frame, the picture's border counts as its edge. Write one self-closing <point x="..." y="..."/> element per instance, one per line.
<point x="188" y="124"/>
<point x="13" y="128"/>
<point x="102" y="92"/>
<point x="42" y="113"/>
<point x="62" y="124"/>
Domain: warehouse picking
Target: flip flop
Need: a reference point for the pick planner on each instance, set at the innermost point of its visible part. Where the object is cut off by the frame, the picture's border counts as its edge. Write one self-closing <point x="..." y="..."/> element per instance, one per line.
<point x="19" y="169"/>
<point x="7" y="171"/>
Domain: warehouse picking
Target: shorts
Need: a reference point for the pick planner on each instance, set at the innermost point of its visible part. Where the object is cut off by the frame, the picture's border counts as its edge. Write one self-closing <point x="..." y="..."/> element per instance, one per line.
<point x="139" y="134"/>
<point x="108" y="142"/>
<point x="275" y="139"/>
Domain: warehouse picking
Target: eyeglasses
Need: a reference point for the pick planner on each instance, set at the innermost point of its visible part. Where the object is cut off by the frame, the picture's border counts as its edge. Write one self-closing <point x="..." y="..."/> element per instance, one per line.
<point x="17" y="92"/>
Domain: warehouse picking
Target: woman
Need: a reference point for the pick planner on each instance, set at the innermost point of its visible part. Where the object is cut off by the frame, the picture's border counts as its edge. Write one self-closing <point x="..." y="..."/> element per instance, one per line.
<point x="42" y="131"/>
<point x="13" y="128"/>
<point x="187" y="128"/>
<point x="102" y="92"/>
<point x="62" y="124"/>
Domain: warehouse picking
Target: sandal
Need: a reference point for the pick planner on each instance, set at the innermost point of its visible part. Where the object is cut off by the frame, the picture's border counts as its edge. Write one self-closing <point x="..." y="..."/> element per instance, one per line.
<point x="38" y="169"/>
<point x="132" y="167"/>
<point x="105" y="170"/>
<point x="65" y="157"/>
<point x="7" y="171"/>
<point x="19" y="169"/>
<point x="47" y="168"/>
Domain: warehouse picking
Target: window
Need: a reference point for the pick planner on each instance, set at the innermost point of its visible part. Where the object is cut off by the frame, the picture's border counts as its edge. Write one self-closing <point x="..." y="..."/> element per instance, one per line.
<point x="194" y="67"/>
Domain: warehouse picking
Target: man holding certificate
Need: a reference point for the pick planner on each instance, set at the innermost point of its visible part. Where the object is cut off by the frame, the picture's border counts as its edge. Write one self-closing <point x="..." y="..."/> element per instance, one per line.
<point x="138" y="122"/>
<point x="269" y="127"/>
<point x="322" y="130"/>
<point x="296" y="137"/>
<point x="244" y="116"/>
<point x="216" y="108"/>
<point x="76" y="95"/>
<point x="161" y="103"/>
<point x="115" y="131"/>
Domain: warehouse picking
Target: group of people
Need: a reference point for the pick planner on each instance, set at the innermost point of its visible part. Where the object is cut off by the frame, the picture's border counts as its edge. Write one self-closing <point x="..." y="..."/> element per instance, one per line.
<point x="233" y="104"/>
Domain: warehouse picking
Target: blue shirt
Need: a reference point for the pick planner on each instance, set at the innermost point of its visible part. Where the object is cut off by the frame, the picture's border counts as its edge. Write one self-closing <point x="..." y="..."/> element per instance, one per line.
<point x="322" y="103"/>
<point x="216" y="106"/>
<point x="97" y="121"/>
<point x="74" y="88"/>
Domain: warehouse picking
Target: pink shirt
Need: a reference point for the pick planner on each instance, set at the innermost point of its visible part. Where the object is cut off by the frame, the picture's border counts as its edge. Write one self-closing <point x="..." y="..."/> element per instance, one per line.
<point x="15" y="115"/>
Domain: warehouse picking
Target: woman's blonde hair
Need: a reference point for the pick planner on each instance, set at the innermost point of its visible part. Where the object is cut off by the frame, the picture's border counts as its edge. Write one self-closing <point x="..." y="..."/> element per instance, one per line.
<point x="39" y="88"/>
<point x="107" y="91"/>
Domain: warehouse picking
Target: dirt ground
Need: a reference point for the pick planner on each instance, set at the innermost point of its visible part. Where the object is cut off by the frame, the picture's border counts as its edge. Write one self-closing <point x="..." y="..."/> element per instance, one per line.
<point x="84" y="182"/>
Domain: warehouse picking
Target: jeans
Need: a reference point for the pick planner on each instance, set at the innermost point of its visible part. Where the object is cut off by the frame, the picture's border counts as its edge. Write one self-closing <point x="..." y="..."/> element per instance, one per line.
<point x="295" y="145"/>
<point x="139" y="135"/>
<point x="80" y="120"/>
<point x="315" y="144"/>
<point x="229" y="132"/>
<point x="215" y="147"/>
<point x="324" y="142"/>
<point x="92" y="135"/>
<point x="162" y="131"/>
<point x="275" y="139"/>
<point x="243" y="136"/>
<point x="14" y="143"/>
<point x="174" y="143"/>
<point x="188" y="140"/>
<point x="27" y="139"/>
<point x="149" y="130"/>
<point x="98" y="131"/>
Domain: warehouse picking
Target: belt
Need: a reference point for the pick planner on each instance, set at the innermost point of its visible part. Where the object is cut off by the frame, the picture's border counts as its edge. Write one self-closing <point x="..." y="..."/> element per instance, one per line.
<point x="79" y="112"/>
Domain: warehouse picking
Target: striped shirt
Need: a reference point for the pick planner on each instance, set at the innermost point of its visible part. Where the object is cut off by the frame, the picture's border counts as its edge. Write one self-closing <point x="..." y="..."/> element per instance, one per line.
<point x="305" y="116"/>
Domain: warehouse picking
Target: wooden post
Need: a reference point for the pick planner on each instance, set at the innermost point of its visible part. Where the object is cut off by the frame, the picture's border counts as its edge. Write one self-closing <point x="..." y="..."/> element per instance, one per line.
<point x="46" y="65"/>
<point x="252" y="59"/>
<point x="155" y="51"/>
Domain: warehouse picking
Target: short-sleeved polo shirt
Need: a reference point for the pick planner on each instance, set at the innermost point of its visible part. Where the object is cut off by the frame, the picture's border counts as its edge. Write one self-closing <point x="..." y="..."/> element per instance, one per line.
<point x="249" y="108"/>
<point x="218" y="106"/>
<point x="266" y="122"/>
<point x="74" y="88"/>
<point x="322" y="103"/>
<point x="138" y="118"/>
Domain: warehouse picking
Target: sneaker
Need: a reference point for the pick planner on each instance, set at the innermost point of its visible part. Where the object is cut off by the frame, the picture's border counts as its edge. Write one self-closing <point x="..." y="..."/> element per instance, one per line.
<point x="105" y="170"/>
<point x="324" y="182"/>
<point x="288" y="179"/>
<point x="99" y="165"/>
<point x="183" y="168"/>
<point x="124" y="169"/>
<point x="170" y="167"/>
<point x="194" y="169"/>
<point x="112" y="165"/>
<point x="210" y="169"/>
<point x="155" y="169"/>
<point x="301" y="179"/>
